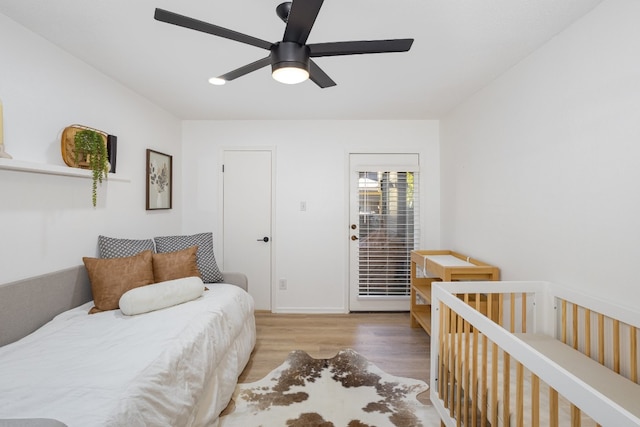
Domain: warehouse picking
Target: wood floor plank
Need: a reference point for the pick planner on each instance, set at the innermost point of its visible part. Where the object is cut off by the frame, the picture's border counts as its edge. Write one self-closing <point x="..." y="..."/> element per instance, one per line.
<point x="385" y="339"/>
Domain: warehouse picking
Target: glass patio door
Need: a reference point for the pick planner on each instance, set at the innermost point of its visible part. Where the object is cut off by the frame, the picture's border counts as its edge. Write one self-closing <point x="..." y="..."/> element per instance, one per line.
<point x="384" y="229"/>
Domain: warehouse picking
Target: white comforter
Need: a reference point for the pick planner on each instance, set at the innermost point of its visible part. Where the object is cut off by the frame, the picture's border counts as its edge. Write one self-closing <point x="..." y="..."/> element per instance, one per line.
<point x="108" y="369"/>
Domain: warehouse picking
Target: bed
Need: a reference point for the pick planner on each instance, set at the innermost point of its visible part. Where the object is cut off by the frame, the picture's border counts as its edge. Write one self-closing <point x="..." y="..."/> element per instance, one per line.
<point x="546" y="356"/>
<point x="176" y="366"/>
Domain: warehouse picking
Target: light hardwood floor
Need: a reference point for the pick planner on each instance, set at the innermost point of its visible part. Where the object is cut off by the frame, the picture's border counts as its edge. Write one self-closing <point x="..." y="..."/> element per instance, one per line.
<point x="385" y="339"/>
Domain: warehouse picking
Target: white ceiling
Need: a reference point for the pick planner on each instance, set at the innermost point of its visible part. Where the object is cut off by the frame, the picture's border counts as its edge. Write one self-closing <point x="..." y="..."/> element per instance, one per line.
<point x="460" y="46"/>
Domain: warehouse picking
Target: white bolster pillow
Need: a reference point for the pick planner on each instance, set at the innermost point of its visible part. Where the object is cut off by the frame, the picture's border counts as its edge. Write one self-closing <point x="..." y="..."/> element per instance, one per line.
<point x="160" y="295"/>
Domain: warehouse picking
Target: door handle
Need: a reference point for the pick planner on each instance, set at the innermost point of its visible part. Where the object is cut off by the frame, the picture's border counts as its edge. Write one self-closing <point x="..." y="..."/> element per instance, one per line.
<point x="264" y="239"/>
<point x="354" y="237"/>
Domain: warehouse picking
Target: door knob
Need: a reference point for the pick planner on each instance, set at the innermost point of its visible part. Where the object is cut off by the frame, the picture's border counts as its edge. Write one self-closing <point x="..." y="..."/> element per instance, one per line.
<point x="354" y="237"/>
<point x="264" y="239"/>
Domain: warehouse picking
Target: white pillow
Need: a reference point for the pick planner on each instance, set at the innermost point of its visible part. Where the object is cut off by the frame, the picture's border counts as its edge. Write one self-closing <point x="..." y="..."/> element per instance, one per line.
<point x="160" y="295"/>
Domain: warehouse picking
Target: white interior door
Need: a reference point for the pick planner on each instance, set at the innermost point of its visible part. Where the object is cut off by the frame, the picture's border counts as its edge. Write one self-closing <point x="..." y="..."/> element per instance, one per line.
<point x="247" y="204"/>
<point x="384" y="229"/>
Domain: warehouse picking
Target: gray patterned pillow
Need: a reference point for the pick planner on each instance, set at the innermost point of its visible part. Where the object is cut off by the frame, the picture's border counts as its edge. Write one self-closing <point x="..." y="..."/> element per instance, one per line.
<point x="111" y="247"/>
<point x="206" y="260"/>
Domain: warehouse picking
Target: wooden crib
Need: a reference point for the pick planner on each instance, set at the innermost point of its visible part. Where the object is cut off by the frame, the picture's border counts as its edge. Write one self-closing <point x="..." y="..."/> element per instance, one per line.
<point x="546" y="356"/>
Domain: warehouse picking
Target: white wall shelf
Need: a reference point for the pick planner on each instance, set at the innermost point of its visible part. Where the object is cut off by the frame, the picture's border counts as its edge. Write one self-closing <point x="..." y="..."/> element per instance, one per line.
<point x="43" y="168"/>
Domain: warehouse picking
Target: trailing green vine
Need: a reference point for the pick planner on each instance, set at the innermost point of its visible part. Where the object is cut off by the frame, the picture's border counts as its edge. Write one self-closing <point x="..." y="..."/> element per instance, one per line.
<point x="91" y="144"/>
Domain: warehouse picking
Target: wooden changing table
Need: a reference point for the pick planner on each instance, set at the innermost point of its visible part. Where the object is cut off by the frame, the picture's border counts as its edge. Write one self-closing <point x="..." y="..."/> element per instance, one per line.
<point x="429" y="266"/>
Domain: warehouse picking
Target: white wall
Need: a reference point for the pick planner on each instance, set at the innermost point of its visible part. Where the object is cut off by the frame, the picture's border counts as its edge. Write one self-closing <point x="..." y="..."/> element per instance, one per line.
<point x="47" y="222"/>
<point x="541" y="170"/>
<point x="310" y="249"/>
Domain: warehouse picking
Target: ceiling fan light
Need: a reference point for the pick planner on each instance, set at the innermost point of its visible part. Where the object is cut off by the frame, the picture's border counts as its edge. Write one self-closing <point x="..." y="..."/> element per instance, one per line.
<point x="290" y="62"/>
<point x="217" y="81"/>
<point x="290" y="75"/>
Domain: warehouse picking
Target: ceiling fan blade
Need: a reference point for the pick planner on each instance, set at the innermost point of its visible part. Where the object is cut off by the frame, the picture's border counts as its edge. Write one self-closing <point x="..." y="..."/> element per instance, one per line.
<point x="239" y="72"/>
<point x="319" y="77"/>
<point x="194" y="24"/>
<point x="359" y="47"/>
<point x="301" y="19"/>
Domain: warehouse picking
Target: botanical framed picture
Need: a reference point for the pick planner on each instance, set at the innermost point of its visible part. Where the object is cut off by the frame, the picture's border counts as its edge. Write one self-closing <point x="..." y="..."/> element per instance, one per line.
<point x="159" y="180"/>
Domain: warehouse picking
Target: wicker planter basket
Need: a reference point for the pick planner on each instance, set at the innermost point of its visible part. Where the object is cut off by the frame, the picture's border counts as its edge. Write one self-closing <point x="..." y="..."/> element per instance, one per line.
<point x="67" y="146"/>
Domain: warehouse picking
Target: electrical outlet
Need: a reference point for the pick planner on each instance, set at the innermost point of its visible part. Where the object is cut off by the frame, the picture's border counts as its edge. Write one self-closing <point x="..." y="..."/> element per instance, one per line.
<point x="283" y="284"/>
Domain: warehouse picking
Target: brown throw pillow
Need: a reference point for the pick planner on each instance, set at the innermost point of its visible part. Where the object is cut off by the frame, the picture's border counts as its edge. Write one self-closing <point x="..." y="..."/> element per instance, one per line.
<point x="112" y="277"/>
<point x="175" y="265"/>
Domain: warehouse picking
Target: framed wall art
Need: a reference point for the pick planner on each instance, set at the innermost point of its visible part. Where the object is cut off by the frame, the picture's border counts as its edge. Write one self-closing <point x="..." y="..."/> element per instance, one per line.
<point x="159" y="180"/>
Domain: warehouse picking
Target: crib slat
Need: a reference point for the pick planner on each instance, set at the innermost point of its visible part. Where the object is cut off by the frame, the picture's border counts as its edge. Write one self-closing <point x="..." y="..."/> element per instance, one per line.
<point x="564" y="321"/>
<point x="493" y="312"/>
<point x="443" y="346"/>
<point x="446" y="379"/>
<point x="486" y="408"/>
<point x="519" y="395"/>
<point x="512" y="320"/>
<point x="452" y="379"/>
<point x="443" y="351"/>
<point x="575" y="416"/>
<point x="494" y="384"/>
<point x="458" y="376"/>
<point x="474" y="376"/>
<point x="616" y="346"/>
<point x="601" y="338"/>
<point x="535" y="401"/>
<point x="524" y="313"/>
<point x="465" y="379"/>
<point x="633" y="342"/>
<point x="587" y="332"/>
<point x="484" y="385"/>
<point x="553" y="408"/>
<point x="506" y="387"/>
<point x="451" y="382"/>
<point x="574" y="319"/>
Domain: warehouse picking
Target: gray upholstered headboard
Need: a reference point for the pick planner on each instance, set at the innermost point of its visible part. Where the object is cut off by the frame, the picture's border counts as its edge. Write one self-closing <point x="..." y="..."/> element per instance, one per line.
<point x="27" y="304"/>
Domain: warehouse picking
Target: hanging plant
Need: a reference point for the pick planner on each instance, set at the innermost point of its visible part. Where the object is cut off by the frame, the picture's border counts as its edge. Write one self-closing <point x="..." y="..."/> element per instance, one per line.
<point x="91" y="150"/>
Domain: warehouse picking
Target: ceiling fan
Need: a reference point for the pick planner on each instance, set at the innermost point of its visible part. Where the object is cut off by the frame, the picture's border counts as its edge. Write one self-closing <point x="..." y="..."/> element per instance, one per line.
<point x="290" y="59"/>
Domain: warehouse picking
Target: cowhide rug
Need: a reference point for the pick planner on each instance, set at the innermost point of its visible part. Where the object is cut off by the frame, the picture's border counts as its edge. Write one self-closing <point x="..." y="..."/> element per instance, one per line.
<point x="344" y="391"/>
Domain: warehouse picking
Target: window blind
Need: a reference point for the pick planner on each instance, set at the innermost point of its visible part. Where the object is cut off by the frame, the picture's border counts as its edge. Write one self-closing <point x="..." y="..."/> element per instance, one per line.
<point x="388" y="231"/>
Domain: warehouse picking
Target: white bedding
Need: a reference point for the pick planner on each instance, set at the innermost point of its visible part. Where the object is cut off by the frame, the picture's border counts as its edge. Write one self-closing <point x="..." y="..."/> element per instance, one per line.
<point x="108" y="369"/>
